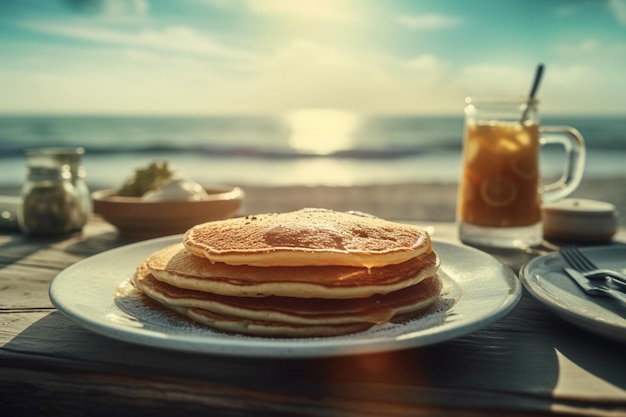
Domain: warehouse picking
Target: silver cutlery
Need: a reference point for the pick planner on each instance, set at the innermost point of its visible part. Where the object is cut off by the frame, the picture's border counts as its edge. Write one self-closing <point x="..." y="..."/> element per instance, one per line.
<point x="595" y="287"/>
<point x="581" y="263"/>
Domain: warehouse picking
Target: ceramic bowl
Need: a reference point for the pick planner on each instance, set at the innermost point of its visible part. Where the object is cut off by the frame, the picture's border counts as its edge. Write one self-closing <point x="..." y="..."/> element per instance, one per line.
<point x="135" y="217"/>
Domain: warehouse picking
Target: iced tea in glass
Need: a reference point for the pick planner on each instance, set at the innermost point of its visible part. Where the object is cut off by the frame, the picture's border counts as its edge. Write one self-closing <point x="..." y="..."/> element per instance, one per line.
<point x="500" y="192"/>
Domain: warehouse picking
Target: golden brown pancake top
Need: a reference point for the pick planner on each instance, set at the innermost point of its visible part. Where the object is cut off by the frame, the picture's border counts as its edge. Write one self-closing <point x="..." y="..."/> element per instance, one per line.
<point x="308" y="237"/>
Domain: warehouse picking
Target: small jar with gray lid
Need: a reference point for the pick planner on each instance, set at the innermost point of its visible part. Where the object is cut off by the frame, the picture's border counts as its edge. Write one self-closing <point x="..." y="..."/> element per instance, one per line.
<point x="55" y="199"/>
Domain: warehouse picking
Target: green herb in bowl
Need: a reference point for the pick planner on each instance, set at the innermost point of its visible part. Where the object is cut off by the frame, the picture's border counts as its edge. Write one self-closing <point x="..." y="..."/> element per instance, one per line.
<point x="146" y="179"/>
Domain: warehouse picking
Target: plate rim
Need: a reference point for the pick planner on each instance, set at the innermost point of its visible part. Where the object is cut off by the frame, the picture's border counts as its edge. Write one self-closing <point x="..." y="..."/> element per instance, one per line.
<point x="574" y="317"/>
<point x="285" y="347"/>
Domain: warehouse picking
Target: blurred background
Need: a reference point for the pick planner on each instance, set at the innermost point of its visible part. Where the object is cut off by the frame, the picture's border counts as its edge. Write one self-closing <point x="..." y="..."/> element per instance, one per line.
<point x="297" y="92"/>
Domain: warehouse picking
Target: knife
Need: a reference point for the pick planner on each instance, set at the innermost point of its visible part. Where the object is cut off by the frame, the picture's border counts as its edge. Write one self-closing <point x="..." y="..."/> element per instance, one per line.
<point x="595" y="288"/>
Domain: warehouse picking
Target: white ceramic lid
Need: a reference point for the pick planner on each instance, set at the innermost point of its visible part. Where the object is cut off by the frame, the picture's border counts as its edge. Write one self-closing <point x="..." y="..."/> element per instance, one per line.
<point x="577" y="219"/>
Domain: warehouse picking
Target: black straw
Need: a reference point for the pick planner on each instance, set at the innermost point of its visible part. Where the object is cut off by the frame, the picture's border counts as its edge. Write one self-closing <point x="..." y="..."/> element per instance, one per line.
<point x="533" y="90"/>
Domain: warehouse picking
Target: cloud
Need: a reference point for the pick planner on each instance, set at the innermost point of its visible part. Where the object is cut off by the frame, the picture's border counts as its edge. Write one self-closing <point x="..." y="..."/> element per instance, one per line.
<point x="185" y="39"/>
<point x="428" y="21"/>
<point x="179" y="39"/>
<point x="585" y="46"/>
<point x="318" y="9"/>
<point x="567" y="76"/>
<point x="427" y="63"/>
<point x="123" y="7"/>
<point x="566" y="10"/>
<point x="306" y="54"/>
<point x="221" y="4"/>
<point x="619" y="8"/>
<point x="493" y="80"/>
<point x="589" y="45"/>
<point x="110" y="8"/>
<point x="600" y="51"/>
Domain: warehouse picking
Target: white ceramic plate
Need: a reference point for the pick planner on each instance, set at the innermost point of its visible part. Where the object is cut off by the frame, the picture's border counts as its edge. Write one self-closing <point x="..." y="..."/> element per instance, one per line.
<point x="545" y="279"/>
<point x="478" y="290"/>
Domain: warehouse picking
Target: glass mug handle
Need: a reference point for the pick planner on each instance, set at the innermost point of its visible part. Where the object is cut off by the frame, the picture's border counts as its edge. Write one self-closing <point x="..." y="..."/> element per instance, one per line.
<point x="574" y="145"/>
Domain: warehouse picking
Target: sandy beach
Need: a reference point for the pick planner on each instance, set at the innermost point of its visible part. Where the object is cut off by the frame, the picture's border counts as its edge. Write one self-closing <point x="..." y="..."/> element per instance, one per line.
<point x="401" y="201"/>
<point x="407" y="201"/>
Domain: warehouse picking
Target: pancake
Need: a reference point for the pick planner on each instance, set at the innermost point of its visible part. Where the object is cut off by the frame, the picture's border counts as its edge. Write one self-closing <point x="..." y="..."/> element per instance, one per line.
<point x="288" y="316"/>
<point x="268" y="329"/>
<point x="177" y="266"/>
<point x="308" y="237"/>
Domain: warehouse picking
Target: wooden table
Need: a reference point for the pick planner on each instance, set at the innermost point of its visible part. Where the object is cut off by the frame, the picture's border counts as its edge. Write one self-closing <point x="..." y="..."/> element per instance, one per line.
<point x="529" y="363"/>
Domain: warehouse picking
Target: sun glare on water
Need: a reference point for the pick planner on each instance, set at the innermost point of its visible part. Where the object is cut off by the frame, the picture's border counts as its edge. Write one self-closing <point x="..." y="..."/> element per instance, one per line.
<point x="322" y="131"/>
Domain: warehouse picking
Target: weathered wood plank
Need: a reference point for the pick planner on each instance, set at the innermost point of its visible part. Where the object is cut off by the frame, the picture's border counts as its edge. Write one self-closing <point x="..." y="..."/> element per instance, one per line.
<point x="28" y="265"/>
<point x="101" y="394"/>
<point x="67" y="388"/>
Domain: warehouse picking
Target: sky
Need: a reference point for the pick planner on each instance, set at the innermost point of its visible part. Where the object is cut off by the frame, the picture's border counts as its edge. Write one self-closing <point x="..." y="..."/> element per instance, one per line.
<point x="273" y="56"/>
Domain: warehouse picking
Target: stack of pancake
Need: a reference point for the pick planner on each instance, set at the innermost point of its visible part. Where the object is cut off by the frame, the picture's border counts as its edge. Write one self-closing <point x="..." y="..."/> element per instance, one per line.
<point x="312" y="272"/>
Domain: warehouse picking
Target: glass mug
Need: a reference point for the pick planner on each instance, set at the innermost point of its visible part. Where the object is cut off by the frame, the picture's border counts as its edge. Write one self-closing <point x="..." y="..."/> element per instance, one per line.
<point x="500" y="191"/>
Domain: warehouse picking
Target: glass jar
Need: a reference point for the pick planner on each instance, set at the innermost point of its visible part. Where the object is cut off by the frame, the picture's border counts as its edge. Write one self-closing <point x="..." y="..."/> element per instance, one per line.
<point x="55" y="197"/>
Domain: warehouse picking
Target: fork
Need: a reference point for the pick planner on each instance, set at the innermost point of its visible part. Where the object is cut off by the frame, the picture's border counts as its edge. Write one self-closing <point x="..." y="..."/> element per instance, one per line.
<point x="580" y="262"/>
<point x="595" y="287"/>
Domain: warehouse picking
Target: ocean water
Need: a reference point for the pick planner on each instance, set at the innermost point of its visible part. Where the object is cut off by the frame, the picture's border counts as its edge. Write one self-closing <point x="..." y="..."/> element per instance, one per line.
<point x="303" y="148"/>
